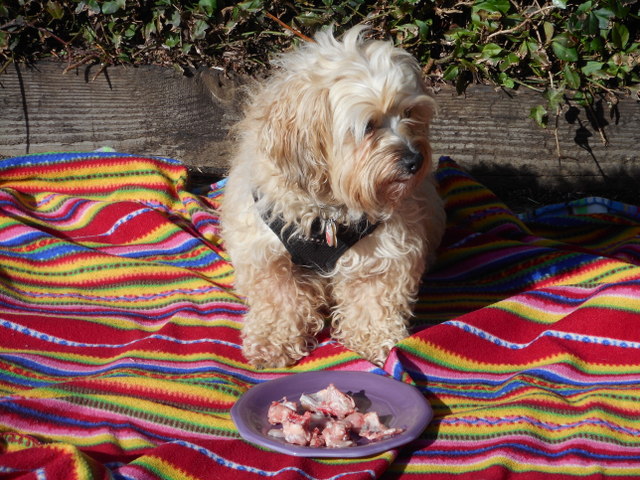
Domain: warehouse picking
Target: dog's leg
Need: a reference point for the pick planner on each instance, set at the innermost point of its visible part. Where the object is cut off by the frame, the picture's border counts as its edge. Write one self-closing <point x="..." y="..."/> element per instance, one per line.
<point x="371" y="313"/>
<point x="283" y="316"/>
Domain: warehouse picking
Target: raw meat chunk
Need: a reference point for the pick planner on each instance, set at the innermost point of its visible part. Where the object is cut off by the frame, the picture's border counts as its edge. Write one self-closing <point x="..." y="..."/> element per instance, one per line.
<point x="280" y="411"/>
<point x="317" y="440"/>
<point x="329" y="401"/>
<point x="296" y="429"/>
<point x="330" y="419"/>
<point x="337" y="434"/>
<point x="372" y="429"/>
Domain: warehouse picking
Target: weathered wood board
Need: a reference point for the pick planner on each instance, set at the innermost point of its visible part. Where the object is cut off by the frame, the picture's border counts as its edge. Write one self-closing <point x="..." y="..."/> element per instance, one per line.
<point x="146" y="110"/>
<point x="153" y="110"/>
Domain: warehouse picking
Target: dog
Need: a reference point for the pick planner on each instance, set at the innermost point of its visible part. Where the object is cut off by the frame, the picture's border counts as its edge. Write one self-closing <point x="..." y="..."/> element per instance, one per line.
<point x="330" y="208"/>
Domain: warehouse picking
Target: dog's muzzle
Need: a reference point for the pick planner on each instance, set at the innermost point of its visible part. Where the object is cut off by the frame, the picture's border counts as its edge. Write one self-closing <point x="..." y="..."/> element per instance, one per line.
<point x="411" y="162"/>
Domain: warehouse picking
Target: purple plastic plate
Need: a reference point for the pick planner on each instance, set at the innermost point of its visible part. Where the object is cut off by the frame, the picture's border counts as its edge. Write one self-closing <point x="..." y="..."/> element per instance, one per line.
<point x="399" y="405"/>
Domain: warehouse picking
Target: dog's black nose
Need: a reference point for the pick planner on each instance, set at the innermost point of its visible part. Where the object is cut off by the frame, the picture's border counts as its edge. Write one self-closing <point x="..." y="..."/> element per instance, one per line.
<point x="411" y="162"/>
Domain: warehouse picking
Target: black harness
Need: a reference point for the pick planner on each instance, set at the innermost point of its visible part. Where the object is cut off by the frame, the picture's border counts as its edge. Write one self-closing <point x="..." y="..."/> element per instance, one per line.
<point x="315" y="252"/>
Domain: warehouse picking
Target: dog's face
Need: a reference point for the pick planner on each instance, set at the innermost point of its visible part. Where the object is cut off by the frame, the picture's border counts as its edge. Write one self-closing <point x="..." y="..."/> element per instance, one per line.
<point x="349" y="123"/>
<point x="380" y="140"/>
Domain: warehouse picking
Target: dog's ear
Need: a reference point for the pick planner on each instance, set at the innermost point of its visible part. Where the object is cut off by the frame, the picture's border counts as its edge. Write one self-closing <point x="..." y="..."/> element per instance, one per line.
<point x="296" y="134"/>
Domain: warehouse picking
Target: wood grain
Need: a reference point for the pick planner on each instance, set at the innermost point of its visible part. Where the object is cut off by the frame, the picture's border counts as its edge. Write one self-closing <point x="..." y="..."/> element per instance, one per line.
<point x="146" y="110"/>
<point x="489" y="126"/>
<point x="153" y="110"/>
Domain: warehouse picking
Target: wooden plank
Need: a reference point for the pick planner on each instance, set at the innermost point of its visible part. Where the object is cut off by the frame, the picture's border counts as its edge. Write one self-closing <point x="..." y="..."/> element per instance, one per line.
<point x="488" y="132"/>
<point x="153" y="110"/>
<point x="145" y="110"/>
<point x="489" y="126"/>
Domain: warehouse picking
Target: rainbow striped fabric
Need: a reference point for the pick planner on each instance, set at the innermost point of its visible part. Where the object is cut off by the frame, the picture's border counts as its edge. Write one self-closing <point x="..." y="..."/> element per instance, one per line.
<point x="120" y="349"/>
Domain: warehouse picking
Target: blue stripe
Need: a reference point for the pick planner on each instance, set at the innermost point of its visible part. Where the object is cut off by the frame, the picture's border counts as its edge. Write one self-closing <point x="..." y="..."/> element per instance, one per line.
<point x="37" y="159"/>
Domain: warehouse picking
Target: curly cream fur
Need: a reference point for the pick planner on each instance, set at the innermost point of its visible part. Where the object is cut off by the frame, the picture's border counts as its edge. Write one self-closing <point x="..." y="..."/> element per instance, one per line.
<point x="326" y="135"/>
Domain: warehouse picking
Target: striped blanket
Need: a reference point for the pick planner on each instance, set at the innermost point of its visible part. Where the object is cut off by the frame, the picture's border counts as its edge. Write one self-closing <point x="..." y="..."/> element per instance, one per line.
<point x="119" y="335"/>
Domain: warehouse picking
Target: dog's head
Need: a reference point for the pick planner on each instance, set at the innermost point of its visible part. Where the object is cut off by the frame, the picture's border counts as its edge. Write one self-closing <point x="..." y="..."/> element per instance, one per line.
<point x="347" y="122"/>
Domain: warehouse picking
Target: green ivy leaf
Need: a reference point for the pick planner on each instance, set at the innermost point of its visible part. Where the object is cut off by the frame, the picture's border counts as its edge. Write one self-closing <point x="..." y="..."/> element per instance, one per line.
<point x="549" y="30"/>
<point x="540" y="115"/>
<point x="604" y="16"/>
<point x="508" y="61"/>
<point x="583" y="98"/>
<point x="555" y="97"/>
<point x="591" y="24"/>
<point x="564" y="53"/>
<point x="563" y="48"/>
<point x="584" y="7"/>
<point x="423" y="29"/>
<point x="172" y="40"/>
<point x="209" y="6"/>
<point x="409" y="31"/>
<point x="451" y="72"/>
<point x="492" y="6"/>
<point x="130" y="31"/>
<point x="149" y="29"/>
<point x="572" y="77"/>
<point x="594" y="45"/>
<point x="620" y="36"/>
<point x="250" y="5"/>
<point x="612" y="69"/>
<point x="591" y="67"/>
<point x="91" y="5"/>
<point x="175" y="19"/>
<point x="505" y="80"/>
<point x="116" y="39"/>
<point x="55" y="10"/>
<point x="491" y="50"/>
<point x="199" y="30"/>
<point x="109" y="8"/>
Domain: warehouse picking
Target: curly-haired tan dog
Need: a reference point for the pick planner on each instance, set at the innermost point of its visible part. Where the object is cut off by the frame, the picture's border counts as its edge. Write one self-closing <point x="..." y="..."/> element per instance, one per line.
<point x="330" y="205"/>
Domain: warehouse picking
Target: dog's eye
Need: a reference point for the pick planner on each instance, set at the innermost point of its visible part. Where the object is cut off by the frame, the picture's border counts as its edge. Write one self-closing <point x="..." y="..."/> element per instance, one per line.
<point x="407" y="113"/>
<point x="370" y="127"/>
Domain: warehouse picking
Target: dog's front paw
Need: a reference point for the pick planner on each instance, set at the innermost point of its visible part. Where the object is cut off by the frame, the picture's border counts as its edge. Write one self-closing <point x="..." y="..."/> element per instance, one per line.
<point x="374" y="346"/>
<point x="370" y="332"/>
<point x="263" y="353"/>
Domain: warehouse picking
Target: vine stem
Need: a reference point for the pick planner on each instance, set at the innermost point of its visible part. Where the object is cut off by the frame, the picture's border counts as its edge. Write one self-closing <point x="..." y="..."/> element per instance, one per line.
<point x="555" y="134"/>
<point x="291" y="29"/>
<point x="86" y="59"/>
<point x="521" y="24"/>
<point x="5" y="65"/>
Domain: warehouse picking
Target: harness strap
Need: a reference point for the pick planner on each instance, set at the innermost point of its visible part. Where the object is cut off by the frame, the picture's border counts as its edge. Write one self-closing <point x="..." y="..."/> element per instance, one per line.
<point x="314" y="252"/>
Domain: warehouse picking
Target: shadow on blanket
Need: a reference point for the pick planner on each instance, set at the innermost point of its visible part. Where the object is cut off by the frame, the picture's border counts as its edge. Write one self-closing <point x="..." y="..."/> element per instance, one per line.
<point x="119" y="335"/>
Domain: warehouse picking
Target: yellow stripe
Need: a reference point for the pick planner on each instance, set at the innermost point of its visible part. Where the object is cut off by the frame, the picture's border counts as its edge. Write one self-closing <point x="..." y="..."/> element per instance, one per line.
<point x="431" y="352"/>
<point x="162" y="468"/>
<point x="512" y="465"/>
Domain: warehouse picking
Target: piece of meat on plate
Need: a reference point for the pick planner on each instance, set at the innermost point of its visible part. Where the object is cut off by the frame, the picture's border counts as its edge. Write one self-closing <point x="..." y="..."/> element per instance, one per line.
<point x="369" y="426"/>
<point x="296" y="429"/>
<point x="329" y="401"/>
<point x="317" y="440"/>
<point x="280" y="411"/>
<point x="336" y="434"/>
